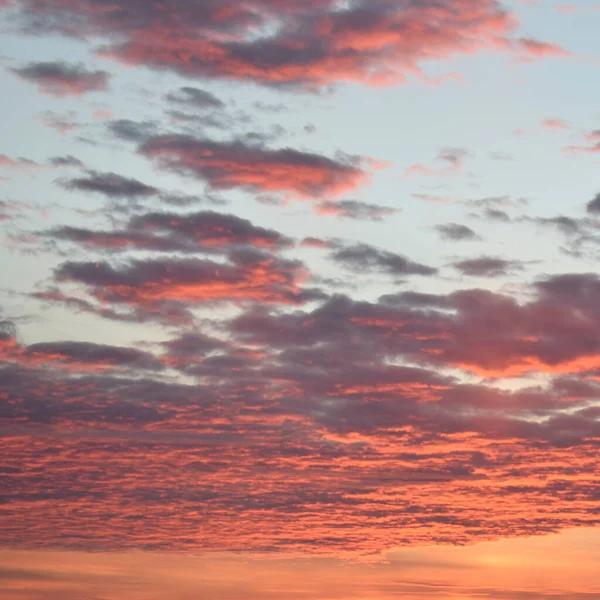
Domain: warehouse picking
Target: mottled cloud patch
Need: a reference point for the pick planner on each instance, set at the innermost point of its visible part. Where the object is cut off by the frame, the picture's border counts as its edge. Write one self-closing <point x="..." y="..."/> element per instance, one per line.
<point x="63" y="79"/>
<point x="110" y="185"/>
<point x="319" y="398"/>
<point x="355" y="209"/>
<point x="227" y="165"/>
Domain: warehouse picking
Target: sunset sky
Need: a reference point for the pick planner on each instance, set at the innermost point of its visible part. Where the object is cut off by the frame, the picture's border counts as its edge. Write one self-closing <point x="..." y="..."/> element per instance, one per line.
<point x="299" y="300"/>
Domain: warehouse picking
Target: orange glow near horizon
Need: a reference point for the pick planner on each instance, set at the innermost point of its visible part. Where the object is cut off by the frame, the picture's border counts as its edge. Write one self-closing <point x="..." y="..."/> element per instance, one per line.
<point x="545" y="567"/>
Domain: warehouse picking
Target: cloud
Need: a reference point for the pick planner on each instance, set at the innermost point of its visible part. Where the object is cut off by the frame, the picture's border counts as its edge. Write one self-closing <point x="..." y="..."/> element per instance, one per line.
<point x="260" y="413"/>
<point x="110" y="185"/>
<point x="593" y="139"/>
<point x="299" y="413"/>
<point x="12" y="209"/>
<point x="566" y="225"/>
<point x="431" y="198"/>
<point x="227" y="165"/>
<point x="494" y="214"/>
<point x="285" y="44"/>
<point x="63" y="123"/>
<point x="249" y="275"/>
<point x="206" y="231"/>
<point x="476" y="330"/>
<point x="65" y="161"/>
<point x="16" y="163"/>
<point x="456" y="232"/>
<point x="312" y="242"/>
<point x="555" y="124"/>
<point x="593" y="206"/>
<point x="83" y="356"/>
<point x="486" y="266"/>
<point x="196" y="97"/>
<point x="367" y="259"/>
<point x="354" y="209"/>
<point x="452" y="159"/>
<point x="63" y="79"/>
<point x="537" y="49"/>
<point x="132" y="131"/>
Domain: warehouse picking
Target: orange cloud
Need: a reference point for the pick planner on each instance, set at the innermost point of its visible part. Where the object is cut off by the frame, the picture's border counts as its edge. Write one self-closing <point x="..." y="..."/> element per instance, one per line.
<point x="234" y="164"/>
<point x="376" y="44"/>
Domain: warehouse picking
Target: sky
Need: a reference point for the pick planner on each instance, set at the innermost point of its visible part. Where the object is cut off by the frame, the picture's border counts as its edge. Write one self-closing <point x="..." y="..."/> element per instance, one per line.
<point x="299" y="300"/>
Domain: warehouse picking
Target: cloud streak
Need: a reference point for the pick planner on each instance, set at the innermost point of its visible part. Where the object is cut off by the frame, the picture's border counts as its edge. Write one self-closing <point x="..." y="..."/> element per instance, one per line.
<point x="63" y="79"/>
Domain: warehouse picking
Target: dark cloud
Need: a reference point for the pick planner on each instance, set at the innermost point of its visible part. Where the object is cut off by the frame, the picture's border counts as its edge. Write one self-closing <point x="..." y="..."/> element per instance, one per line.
<point x="196" y="97"/>
<point x="192" y="344"/>
<point x="496" y="202"/>
<point x="110" y="184"/>
<point x="87" y="353"/>
<point x="593" y="206"/>
<point x="65" y="161"/>
<point x="495" y="214"/>
<point x="456" y="232"/>
<point x="566" y="225"/>
<point x="416" y="300"/>
<point x="63" y="79"/>
<point x="355" y="209"/>
<point x="8" y="330"/>
<point x="486" y="266"/>
<point x="367" y="259"/>
<point x="132" y="131"/>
